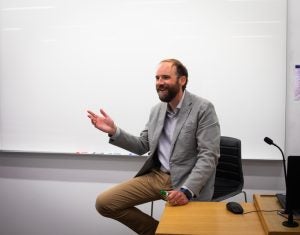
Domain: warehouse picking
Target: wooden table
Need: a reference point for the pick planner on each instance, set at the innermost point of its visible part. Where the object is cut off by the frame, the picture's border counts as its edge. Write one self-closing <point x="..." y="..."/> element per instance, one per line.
<point x="271" y="221"/>
<point x="208" y="218"/>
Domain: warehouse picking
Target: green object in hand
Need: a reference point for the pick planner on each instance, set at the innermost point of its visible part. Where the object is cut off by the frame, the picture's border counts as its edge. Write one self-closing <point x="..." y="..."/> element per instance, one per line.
<point x="163" y="193"/>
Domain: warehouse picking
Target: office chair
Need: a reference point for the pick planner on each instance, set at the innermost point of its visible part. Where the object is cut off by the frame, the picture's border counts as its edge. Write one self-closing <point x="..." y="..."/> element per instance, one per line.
<point x="229" y="174"/>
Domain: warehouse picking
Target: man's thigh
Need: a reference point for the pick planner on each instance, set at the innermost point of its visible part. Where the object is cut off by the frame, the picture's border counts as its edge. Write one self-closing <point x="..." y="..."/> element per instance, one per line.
<point x="136" y="191"/>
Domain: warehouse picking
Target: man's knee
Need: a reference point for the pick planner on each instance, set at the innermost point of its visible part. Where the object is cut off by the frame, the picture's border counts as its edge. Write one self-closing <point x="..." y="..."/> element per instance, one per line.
<point x="103" y="206"/>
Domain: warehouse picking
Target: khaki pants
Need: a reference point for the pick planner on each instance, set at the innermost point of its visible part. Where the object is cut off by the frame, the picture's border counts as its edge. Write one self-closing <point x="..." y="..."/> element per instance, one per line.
<point x="119" y="202"/>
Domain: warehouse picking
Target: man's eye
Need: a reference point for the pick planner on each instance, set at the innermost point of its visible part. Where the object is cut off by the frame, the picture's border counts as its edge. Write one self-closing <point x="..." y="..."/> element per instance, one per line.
<point x="164" y="77"/>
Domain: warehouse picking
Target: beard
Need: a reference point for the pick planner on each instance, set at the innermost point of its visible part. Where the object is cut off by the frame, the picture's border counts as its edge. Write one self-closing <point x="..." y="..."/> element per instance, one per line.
<point x="167" y="93"/>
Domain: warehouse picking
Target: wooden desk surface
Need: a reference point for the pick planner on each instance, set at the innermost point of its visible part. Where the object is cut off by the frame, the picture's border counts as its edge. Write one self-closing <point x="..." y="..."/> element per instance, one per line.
<point x="208" y="218"/>
<point x="271" y="221"/>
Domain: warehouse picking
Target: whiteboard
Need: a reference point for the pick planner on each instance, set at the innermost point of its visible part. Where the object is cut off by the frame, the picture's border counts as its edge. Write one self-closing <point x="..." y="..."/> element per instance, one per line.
<point x="60" y="58"/>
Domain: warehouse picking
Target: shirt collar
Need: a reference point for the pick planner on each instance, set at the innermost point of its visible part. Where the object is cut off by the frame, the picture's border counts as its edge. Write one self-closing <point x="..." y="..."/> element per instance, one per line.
<point x="181" y="101"/>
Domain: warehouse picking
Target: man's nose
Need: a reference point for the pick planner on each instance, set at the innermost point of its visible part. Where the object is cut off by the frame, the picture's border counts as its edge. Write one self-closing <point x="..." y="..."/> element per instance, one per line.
<point x="159" y="80"/>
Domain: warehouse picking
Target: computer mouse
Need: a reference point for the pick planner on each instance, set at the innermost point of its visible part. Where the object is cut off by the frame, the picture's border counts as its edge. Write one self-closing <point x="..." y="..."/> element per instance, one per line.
<point x="235" y="207"/>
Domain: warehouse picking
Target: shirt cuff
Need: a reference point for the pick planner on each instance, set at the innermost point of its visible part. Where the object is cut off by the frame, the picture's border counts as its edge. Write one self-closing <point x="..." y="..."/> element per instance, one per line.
<point x="113" y="137"/>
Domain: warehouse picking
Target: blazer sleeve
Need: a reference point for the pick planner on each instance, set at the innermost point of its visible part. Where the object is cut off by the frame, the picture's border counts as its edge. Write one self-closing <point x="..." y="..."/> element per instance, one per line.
<point x="138" y="145"/>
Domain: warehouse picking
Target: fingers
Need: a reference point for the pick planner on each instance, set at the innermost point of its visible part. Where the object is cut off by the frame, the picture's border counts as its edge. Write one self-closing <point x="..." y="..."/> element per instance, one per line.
<point x="174" y="198"/>
<point x="93" y="117"/>
<point x="102" y="122"/>
<point x="177" y="198"/>
<point x="104" y="113"/>
<point x="91" y="114"/>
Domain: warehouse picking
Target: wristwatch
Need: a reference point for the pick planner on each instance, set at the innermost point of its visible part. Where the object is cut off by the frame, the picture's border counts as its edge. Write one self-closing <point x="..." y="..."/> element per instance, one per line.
<point x="187" y="193"/>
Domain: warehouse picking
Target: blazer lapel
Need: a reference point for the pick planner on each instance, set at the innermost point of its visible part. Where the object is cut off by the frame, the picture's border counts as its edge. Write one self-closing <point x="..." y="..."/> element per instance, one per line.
<point x="160" y="124"/>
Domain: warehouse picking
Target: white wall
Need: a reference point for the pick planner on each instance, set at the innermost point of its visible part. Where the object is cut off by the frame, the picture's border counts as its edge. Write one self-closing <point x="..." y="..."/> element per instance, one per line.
<point x="47" y="195"/>
<point x="293" y="58"/>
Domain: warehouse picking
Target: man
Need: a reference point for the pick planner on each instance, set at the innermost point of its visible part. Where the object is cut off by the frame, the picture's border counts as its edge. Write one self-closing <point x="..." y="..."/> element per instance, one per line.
<point x="182" y="138"/>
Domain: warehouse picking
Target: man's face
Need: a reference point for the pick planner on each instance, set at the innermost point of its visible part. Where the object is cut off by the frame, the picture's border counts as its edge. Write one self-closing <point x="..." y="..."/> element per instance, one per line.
<point x="167" y="83"/>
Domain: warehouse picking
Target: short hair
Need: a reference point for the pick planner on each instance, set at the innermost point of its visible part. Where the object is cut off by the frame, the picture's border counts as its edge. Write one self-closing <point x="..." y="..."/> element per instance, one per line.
<point x="180" y="69"/>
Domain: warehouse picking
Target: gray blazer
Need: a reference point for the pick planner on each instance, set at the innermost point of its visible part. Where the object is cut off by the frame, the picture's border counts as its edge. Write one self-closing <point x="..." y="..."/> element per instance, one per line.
<point x="195" y="146"/>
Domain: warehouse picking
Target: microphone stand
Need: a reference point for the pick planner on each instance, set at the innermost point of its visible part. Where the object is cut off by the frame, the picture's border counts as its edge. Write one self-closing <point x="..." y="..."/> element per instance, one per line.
<point x="283" y="162"/>
<point x="290" y="222"/>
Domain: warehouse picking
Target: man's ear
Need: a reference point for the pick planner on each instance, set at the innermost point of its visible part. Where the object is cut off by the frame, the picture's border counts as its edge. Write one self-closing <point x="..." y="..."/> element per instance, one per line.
<point x="182" y="80"/>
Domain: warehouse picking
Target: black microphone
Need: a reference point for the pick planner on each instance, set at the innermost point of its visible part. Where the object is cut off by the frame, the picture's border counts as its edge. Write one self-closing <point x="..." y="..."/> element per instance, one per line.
<point x="270" y="142"/>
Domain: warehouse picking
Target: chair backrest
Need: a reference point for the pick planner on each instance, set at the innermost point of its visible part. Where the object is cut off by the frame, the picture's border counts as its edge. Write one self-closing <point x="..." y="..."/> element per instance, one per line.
<point x="229" y="174"/>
